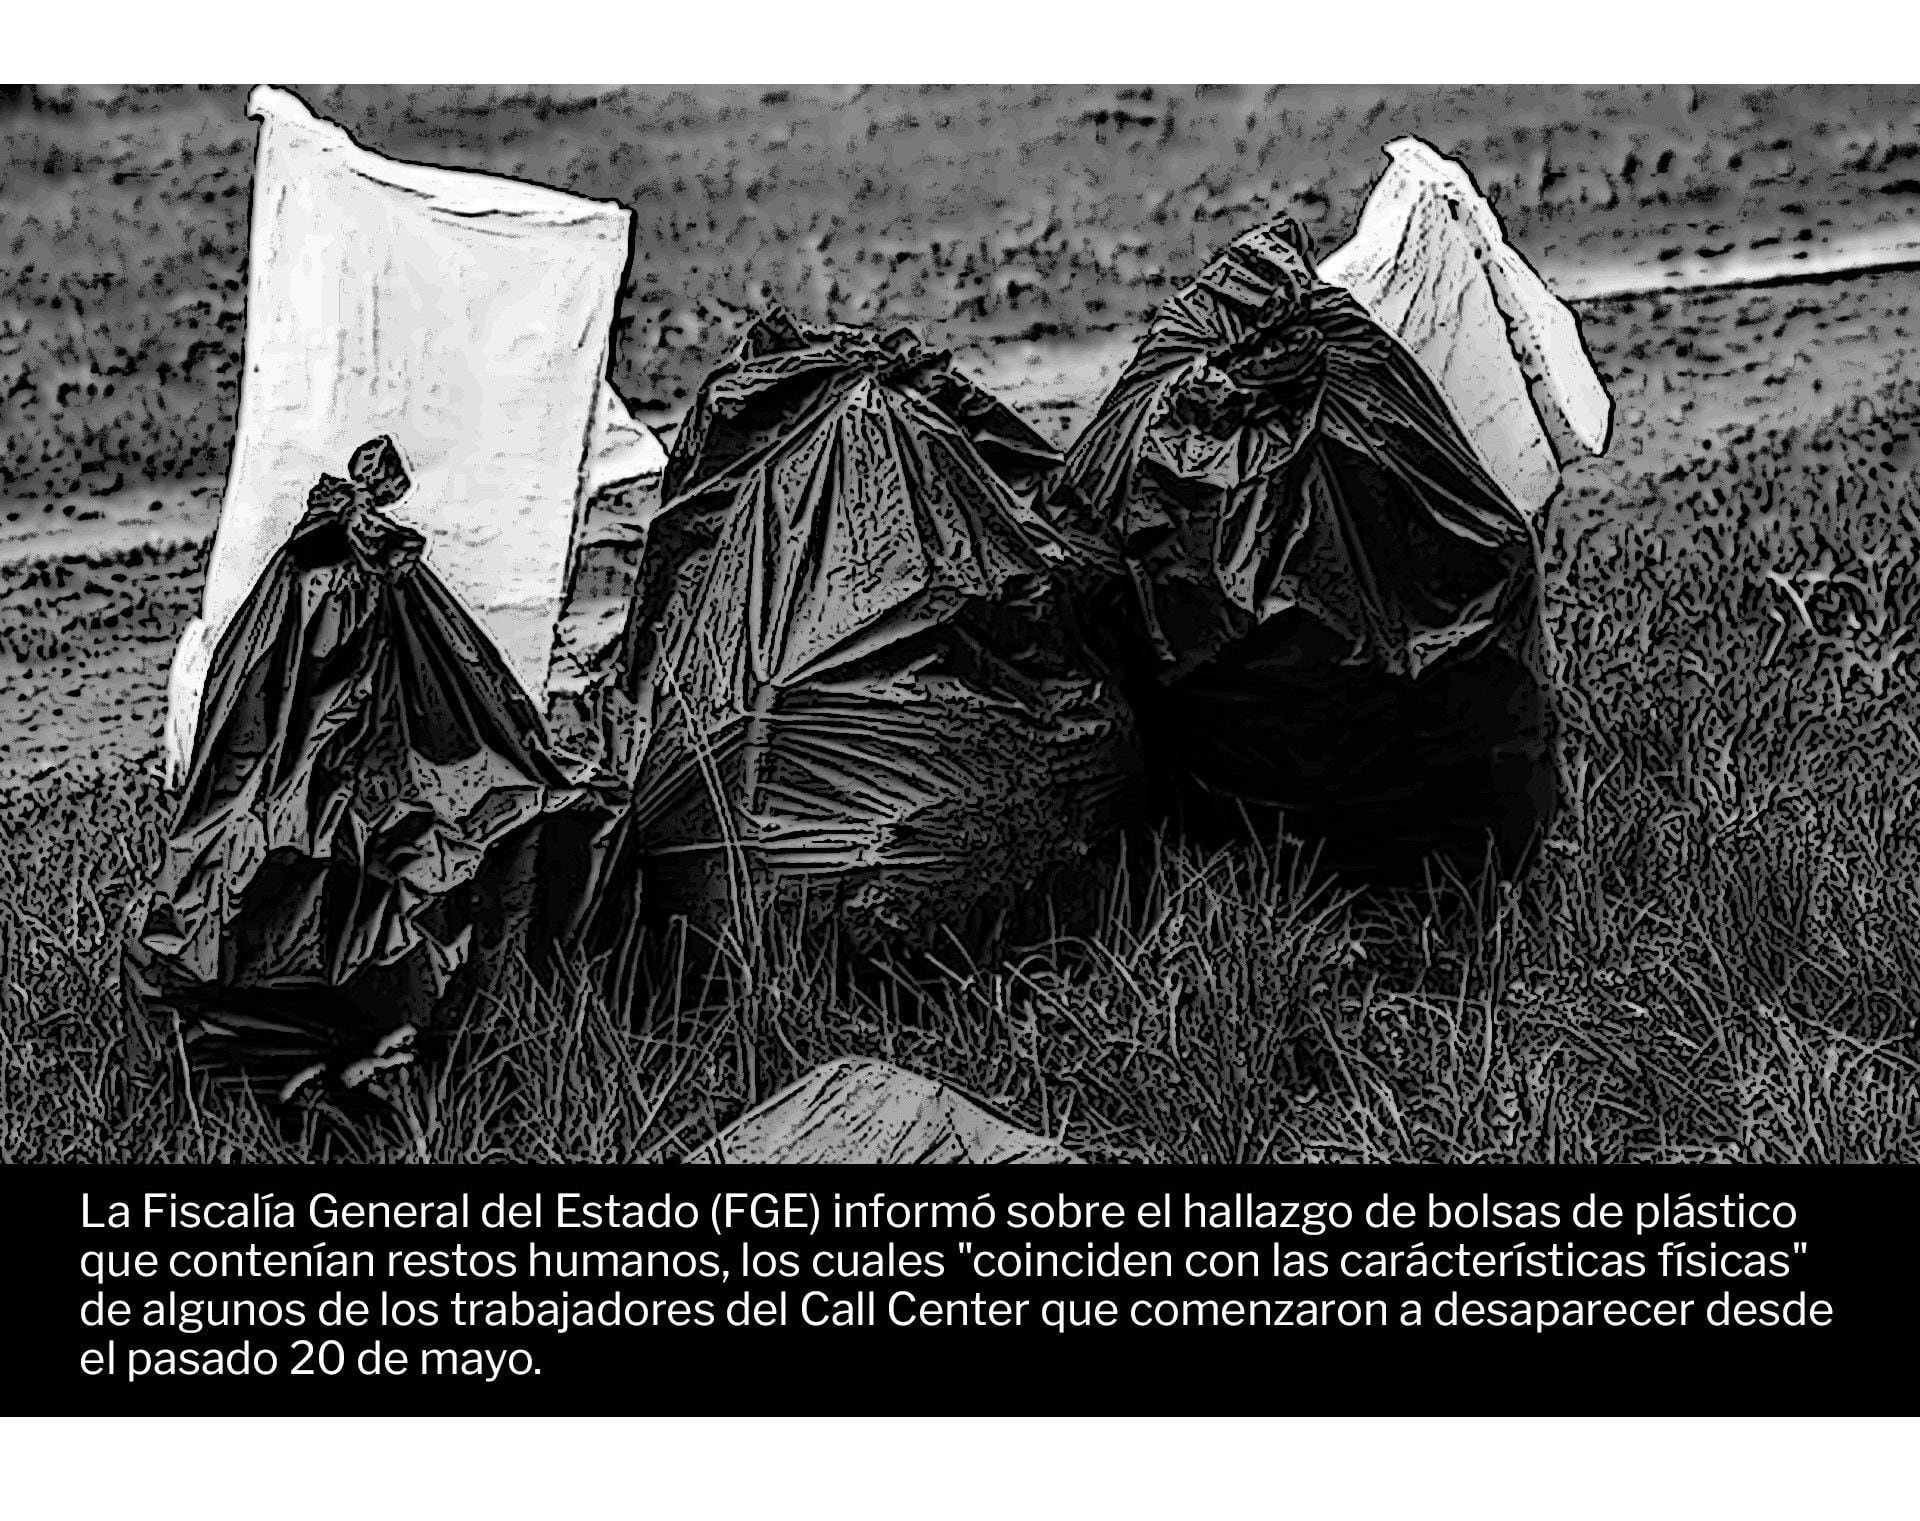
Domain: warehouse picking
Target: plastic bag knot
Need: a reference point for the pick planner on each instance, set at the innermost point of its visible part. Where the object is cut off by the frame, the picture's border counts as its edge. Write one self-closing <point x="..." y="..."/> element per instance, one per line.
<point x="376" y="478"/>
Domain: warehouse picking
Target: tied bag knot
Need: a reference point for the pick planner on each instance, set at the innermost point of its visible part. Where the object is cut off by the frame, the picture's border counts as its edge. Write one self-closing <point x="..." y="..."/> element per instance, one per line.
<point x="353" y="509"/>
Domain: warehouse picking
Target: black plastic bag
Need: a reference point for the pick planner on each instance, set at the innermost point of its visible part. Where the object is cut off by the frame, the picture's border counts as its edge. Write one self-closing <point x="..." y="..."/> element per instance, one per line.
<point x="855" y="679"/>
<point x="374" y="822"/>
<point x="1335" y="609"/>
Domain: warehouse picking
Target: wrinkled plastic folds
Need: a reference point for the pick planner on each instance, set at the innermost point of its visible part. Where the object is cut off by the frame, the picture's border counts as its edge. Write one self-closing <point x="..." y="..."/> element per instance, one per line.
<point x="624" y="470"/>
<point x="862" y="1112"/>
<point x="1431" y="264"/>
<point x="373" y="821"/>
<point x="1336" y="609"/>
<point x="620" y="450"/>
<point x="467" y="316"/>
<point x="851" y="675"/>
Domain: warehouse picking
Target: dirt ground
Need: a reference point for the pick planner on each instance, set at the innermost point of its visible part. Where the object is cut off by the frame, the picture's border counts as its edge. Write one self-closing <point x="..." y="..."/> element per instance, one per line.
<point x="85" y="639"/>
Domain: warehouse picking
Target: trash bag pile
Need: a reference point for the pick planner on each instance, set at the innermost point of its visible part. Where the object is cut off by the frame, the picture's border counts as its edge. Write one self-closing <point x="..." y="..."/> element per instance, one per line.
<point x="862" y="642"/>
<point x="1336" y="623"/>
<point x="373" y="824"/>
<point x="852" y="657"/>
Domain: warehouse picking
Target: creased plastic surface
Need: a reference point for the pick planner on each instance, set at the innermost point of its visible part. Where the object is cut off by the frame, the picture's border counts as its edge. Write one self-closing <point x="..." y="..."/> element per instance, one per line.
<point x="1430" y="263"/>
<point x="850" y="670"/>
<point x="853" y="1111"/>
<point x="373" y="818"/>
<point x="1335" y="613"/>
<point x="464" y="315"/>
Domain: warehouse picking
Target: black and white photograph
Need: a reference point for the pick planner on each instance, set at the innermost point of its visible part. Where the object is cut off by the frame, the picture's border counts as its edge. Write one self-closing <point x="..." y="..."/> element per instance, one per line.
<point x="1325" y="672"/>
<point x="1171" y="624"/>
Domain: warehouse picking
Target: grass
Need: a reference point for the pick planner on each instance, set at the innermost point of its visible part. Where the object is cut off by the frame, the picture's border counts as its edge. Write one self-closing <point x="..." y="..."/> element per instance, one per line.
<point x="1714" y="960"/>
<point x="972" y="213"/>
<point x="1715" y="956"/>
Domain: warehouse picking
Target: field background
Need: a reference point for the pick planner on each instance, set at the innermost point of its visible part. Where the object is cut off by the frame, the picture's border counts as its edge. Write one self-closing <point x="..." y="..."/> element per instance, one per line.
<point x="1717" y="956"/>
<point x="979" y="215"/>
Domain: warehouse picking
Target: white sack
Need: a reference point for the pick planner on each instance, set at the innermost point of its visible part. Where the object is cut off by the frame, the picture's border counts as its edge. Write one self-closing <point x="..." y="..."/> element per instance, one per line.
<point x="859" y="1111"/>
<point x="464" y="315"/>
<point x="1430" y="263"/>
<point x="621" y="493"/>
<point x="622" y="451"/>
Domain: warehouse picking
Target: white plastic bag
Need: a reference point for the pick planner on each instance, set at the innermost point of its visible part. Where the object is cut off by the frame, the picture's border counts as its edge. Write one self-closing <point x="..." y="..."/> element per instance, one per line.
<point x="467" y="317"/>
<point x="1431" y="264"/>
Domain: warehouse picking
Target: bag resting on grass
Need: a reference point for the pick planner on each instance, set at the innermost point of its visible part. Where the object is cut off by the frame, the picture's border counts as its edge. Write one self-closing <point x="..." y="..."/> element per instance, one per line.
<point x="1335" y="615"/>
<point x="373" y="821"/>
<point x="849" y="659"/>
<point x="863" y="1112"/>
